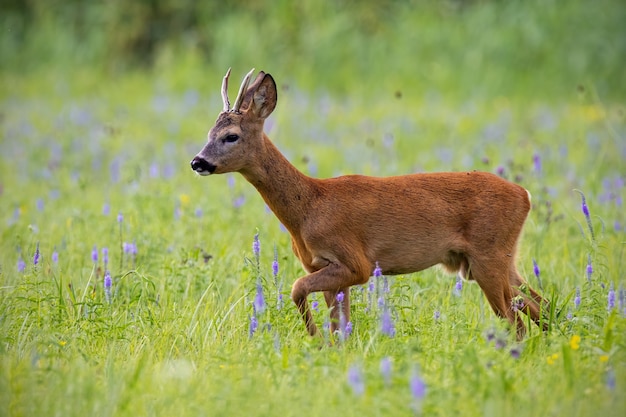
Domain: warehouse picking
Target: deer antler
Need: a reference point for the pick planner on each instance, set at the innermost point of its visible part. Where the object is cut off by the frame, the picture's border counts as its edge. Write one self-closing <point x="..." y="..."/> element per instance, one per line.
<point x="225" y="91"/>
<point x="242" y="90"/>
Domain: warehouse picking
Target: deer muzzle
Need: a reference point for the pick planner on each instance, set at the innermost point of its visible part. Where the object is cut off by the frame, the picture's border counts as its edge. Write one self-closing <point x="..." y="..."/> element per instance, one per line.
<point x="202" y="166"/>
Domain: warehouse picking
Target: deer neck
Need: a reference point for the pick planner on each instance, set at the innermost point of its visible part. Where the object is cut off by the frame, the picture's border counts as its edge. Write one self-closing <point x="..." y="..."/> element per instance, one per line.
<point x="285" y="189"/>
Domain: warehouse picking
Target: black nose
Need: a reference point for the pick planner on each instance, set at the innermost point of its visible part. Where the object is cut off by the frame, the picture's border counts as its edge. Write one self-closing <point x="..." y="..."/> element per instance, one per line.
<point x="201" y="165"/>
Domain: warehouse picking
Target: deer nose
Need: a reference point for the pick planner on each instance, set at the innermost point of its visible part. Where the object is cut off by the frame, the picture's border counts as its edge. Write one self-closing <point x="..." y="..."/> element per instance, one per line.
<point x="202" y="166"/>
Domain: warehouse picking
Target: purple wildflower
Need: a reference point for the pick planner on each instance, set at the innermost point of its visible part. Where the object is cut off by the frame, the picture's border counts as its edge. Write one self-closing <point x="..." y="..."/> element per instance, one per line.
<point x="500" y="343"/>
<point x="536" y="269"/>
<point x="348" y="329"/>
<point x="275" y="264"/>
<point x="259" y="300"/>
<point x="105" y="257"/>
<point x="256" y="246"/>
<point x="611" y="298"/>
<point x="387" y="326"/>
<point x="36" y="255"/>
<point x="418" y="386"/>
<point x="589" y="269"/>
<point x="622" y="301"/>
<point x="355" y="380"/>
<point x="500" y="171"/>
<point x="458" y="286"/>
<point x="340" y="297"/>
<point x="120" y="217"/>
<point x="55" y="257"/>
<point x="94" y="254"/>
<point x="40" y="204"/>
<point x="437" y="315"/>
<point x="610" y="379"/>
<point x="239" y="201"/>
<point x="385" y="369"/>
<point x="378" y="272"/>
<point x="21" y="265"/>
<point x="577" y="298"/>
<point x="106" y="209"/>
<point x="537" y="163"/>
<point x="490" y="335"/>
<point x="517" y="303"/>
<point x="516" y="351"/>
<point x="585" y="210"/>
<point x="254" y="324"/>
<point x="198" y="212"/>
<point x="108" y="282"/>
<point x="315" y="305"/>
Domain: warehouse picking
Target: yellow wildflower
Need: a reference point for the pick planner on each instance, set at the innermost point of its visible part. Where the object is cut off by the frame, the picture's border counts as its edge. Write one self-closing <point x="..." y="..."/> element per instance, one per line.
<point x="184" y="199"/>
<point x="552" y="358"/>
<point x="604" y="358"/>
<point x="574" y="342"/>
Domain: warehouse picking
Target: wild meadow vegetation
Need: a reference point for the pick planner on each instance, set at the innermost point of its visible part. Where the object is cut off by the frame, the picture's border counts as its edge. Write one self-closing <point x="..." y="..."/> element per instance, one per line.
<point x="131" y="286"/>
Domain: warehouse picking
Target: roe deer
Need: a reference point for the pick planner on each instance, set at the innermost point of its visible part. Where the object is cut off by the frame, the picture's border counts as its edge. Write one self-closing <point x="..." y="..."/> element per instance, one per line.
<point x="340" y="227"/>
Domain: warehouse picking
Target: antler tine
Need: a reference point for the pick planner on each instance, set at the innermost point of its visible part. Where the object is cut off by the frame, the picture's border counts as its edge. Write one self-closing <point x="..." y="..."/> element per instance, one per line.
<point x="242" y="90"/>
<point x="225" y="91"/>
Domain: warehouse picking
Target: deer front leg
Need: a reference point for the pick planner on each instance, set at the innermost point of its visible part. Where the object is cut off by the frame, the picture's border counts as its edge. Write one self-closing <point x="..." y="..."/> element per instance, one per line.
<point x="331" y="279"/>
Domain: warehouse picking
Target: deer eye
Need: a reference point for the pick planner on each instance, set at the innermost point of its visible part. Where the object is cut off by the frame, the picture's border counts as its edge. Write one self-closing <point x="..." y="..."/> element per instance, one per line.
<point x="230" y="138"/>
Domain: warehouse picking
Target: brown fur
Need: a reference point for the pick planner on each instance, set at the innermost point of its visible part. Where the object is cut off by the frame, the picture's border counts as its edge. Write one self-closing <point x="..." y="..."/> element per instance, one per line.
<point x="469" y="222"/>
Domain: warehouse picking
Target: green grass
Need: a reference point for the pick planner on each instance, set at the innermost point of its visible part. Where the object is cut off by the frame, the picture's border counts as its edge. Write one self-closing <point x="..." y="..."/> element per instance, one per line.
<point x="174" y="338"/>
<point x="88" y="135"/>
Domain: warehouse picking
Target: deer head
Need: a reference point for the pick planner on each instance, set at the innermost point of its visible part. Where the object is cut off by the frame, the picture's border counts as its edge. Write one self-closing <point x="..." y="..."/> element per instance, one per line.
<point x="237" y="135"/>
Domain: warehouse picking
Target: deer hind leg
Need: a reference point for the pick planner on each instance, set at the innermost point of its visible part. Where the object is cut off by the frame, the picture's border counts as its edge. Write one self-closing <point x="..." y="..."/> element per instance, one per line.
<point x="331" y="279"/>
<point x="533" y="303"/>
<point x="492" y="275"/>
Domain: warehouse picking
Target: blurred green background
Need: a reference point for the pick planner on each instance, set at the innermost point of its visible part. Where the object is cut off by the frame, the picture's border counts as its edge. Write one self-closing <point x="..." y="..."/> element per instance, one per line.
<point x="543" y="49"/>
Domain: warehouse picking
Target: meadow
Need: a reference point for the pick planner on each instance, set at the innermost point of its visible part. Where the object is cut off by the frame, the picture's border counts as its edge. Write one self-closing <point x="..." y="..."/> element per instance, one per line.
<point x="131" y="286"/>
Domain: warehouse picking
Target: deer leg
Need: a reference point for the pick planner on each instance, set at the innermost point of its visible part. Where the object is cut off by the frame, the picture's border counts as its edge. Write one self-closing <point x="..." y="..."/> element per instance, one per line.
<point x="492" y="277"/>
<point x="331" y="279"/>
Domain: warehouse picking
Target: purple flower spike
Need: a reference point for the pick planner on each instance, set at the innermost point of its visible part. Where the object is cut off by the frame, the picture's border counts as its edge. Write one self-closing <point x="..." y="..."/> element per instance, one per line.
<point x="108" y="282"/>
<point x="589" y="269"/>
<point x="105" y="257"/>
<point x="536" y="269"/>
<point x="387" y="326"/>
<point x="378" y="272"/>
<point x="537" y="163"/>
<point x="418" y="387"/>
<point x="315" y="305"/>
<point x="256" y="246"/>
<point x="21" y="265"/>
<point x="516" y="352"/>
<point x="340" y="296"/>
<point x="385" y="369"/>
<point x="259" y="300"/>
<point x="275" y="263"/>
<point x="94" y="254"/>
<point x="348" y="329"/>
<point x="254" y="324"/>
<point x="55" y="257"/>
<point x="585" y="210"/>
<point x="577" y="298"/>
<point x="36" y="256"/>
<point x="355" y="380"/>
<point x="458" y="286"/>
<point x="120" y="217"/>
<point x="611" y="298"/>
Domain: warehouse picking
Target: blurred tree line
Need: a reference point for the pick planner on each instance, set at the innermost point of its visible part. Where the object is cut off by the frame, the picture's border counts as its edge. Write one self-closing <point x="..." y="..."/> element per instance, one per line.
<point x="503" y="44"/>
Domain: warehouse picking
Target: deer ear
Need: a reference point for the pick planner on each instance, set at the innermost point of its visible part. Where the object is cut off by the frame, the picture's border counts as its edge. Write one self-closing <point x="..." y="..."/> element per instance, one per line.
<point x="264" y="96"/>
